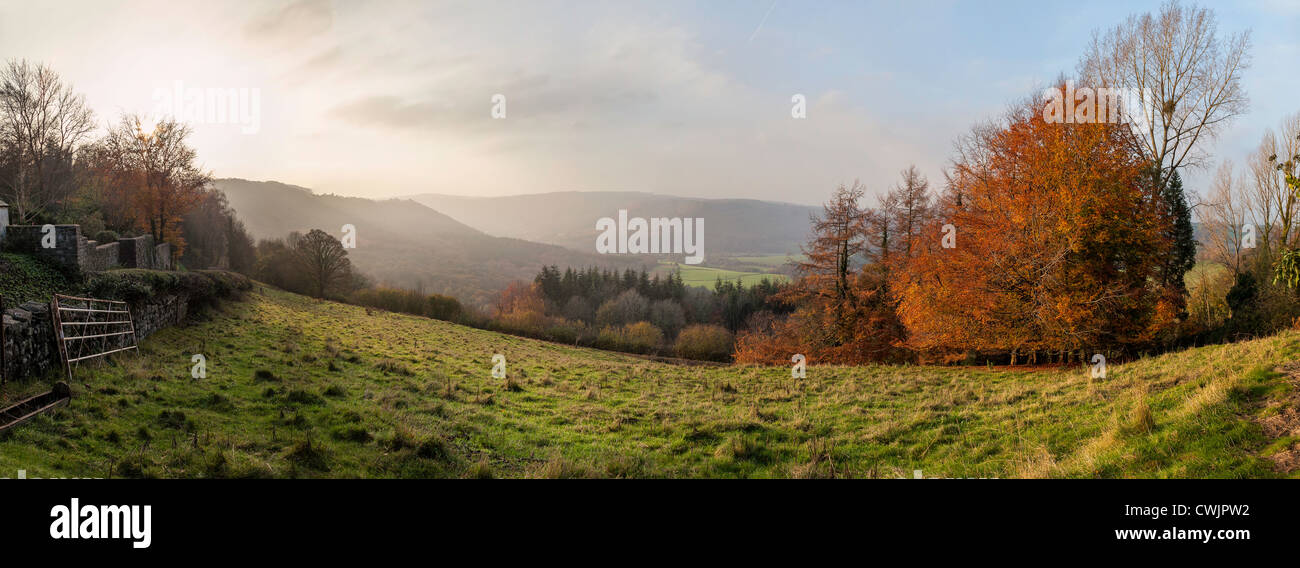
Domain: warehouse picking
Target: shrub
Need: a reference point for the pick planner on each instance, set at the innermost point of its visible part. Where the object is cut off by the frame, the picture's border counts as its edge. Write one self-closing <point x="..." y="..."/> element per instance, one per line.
<point x="643" y="337"/>
<point x="628" y="307"/>
<point x="668" y="316"/>
<point x="703" y="341"/>
<point x="24" y="278"/>
<point x="444" y="308"/>
<point x="135" y="284"/>
<point x="105" y="237"/>
<point x="639" y="337"/>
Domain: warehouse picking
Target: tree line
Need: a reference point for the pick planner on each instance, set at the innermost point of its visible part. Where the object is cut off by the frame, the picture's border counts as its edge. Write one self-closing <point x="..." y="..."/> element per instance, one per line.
<point x="633" y="311"/>
<point x="132" y="177"/>
<point x="1053" y="240"/>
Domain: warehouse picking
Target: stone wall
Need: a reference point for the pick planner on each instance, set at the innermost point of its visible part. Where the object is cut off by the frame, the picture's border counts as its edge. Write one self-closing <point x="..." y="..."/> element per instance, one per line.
<point x="136" y="252"/>
<point x="162" y="256"/>
<point x="74" y="253"/>
<point x="66" y="252"/>
<point x="30" y="346"/>
<point x="32" y="350"/>
<point x="99" y="257"/>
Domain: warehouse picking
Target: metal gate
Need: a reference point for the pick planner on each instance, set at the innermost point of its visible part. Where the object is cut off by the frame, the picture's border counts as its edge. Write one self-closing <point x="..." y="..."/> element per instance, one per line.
<point x="87" y="328"/>
<point x="3" y="361"/>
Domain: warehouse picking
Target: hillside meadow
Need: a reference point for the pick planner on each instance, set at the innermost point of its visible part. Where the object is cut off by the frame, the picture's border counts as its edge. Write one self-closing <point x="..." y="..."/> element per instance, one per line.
<point x="297" y="387"/>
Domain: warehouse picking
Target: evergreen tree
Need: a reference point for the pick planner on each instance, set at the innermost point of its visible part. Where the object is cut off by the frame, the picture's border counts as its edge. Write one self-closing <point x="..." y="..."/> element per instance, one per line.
<point x="1182" y="237"/>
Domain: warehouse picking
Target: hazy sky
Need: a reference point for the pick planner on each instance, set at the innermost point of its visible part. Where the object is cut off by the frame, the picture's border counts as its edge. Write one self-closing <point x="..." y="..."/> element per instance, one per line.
<point x="689" y="98"/>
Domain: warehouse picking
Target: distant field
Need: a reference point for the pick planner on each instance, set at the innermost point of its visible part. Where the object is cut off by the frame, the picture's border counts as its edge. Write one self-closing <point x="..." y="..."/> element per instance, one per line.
<point x="706" y="277"/>
<point x="774" y="261"/>
<point x="304" y="388"/>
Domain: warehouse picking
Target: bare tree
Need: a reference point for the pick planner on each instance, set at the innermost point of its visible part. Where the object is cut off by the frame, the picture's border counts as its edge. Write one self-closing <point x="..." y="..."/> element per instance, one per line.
<point x="323" y="260"/>
<point x="1225" y="215"/>
<point x="1186" y="76"/>
<point x="914" y="204"/>
<point x="837" y="239"/>
<point x="1273" y="206"/>
<point x="42" y="122"/>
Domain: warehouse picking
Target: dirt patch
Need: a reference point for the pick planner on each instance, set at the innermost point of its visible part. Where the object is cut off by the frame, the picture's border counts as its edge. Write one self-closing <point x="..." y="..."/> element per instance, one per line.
<point x="1285" y="421"/>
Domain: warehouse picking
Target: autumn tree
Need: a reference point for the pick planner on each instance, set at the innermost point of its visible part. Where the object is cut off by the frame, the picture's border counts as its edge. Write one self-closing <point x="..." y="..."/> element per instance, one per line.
<point x="838" y="237"/>
<point x="1183" y="80"/>
<point x="154" y="170"/>
<point x="894" y="228"/>
<point x="323" y="260"/>
<point x="1057" y="243"/>
<point x="911" y="204"/>
<point x="844" y="314"/>
<point x="42" y="123"/>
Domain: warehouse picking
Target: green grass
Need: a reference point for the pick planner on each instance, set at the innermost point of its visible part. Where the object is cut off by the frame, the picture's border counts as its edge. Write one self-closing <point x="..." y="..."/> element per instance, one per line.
<point x="770" y="261"/>
<point x="300" y="388"/>
<point x="706" y="277"/>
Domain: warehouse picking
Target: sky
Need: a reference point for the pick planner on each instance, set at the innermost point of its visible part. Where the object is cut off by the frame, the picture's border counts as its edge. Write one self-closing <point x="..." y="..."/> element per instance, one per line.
<point x="379" y="99"/>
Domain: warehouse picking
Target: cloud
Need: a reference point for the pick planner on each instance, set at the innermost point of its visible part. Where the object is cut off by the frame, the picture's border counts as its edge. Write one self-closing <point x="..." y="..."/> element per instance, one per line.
<point x="295" y="22"/>
<point x="388" y="111"/>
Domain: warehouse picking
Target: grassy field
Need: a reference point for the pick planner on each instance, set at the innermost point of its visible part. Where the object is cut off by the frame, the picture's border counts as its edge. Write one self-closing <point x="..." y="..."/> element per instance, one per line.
<point x="706" y="277"/>
<point x="769" y="261"/>
<point x="301" y="388"/>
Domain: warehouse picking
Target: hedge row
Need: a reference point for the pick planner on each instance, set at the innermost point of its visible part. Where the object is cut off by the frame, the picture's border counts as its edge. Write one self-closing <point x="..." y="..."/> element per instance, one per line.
<point x="135" y="284"/>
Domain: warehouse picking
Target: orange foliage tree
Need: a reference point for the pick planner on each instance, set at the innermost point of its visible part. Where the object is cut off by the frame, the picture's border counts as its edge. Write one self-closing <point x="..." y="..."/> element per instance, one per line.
<point x="151" y="170"/>
<point x="1055" y="238"/>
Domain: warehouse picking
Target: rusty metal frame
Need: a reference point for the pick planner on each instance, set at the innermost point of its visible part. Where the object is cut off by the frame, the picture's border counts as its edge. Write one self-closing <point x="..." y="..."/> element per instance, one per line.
<point x="3" y="360"/>
<point x="30" y="407"/>
<point x="84" y="317"/>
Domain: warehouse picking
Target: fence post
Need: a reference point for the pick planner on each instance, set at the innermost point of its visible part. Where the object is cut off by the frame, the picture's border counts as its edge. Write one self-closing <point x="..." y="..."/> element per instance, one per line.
<point x="58" y="335"/>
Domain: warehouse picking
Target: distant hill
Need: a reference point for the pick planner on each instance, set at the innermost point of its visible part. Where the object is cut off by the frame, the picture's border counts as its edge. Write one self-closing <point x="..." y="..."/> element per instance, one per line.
<point x="404" y="243"/>
<point x="731" y="226"/>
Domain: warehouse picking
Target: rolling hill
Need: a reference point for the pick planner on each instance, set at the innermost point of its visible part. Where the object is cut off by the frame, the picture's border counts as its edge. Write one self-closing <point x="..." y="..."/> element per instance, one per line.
<point x="732" y="226"/>
<point x="304" y="388"/>
<point x="404" y="243"/>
